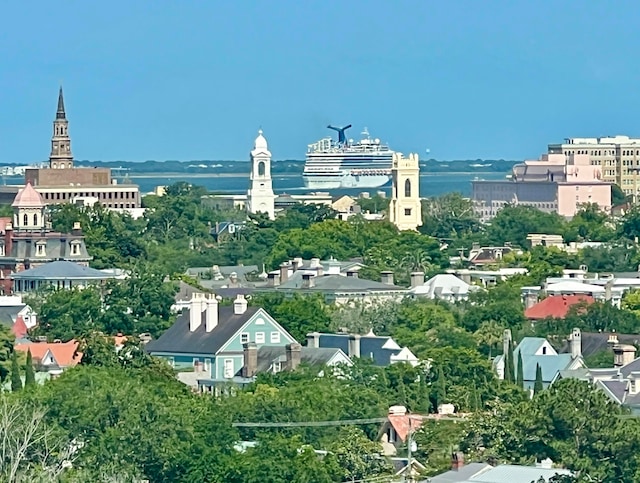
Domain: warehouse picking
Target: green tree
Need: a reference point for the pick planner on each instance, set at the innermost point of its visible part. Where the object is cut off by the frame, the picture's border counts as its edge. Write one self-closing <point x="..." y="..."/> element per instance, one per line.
<point x="512" y="224"/>
<point x="520" y="377"/>
<point x="537" y="386"/>
<point x="7" y="340"/>
<point x="450" y="216"/>
<point x="29" y="374"/>
<point x="358" y="456"/>
<point x="509" y="367"/>
<point x="16" y="379"/>
<point x="439" y="395"/>
<point x="488" y="336"/>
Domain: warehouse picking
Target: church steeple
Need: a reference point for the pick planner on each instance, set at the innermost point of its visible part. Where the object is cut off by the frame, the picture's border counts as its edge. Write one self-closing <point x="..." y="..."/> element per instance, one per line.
<point x="60" y="157"/>
<point x="61" y="114"/>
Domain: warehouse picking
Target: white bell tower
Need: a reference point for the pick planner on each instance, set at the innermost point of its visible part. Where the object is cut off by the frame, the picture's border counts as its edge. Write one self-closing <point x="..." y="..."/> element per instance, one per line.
<point x="260" y="197"/>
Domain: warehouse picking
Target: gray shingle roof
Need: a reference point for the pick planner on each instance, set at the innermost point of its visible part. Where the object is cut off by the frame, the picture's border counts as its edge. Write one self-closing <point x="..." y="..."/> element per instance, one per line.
<point x="61" y="270"/>
<point x="313" y="356"/>
<point x="57" y="246"/>
<point x="338" y="283"/>
<point x="9" y="314"/>
<point x="179" y="339"/>
<point x="594" y="342"/>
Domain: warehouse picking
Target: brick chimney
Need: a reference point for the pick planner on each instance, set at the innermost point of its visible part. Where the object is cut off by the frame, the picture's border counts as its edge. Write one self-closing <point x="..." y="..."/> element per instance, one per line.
<point x="211" y="315"/>
<point x="308" y="280"/>
<point x="417" y="279"/>
<point x="250" y="367"/>
<point x="457" y="460"/>
<point x="386" y="277"/>
<point x="273" y="278"/>
<point x="240" y="305"/>
<point x="284" y="272"/>
<point x="623" y="354"/>
<point x="293" y="353"/>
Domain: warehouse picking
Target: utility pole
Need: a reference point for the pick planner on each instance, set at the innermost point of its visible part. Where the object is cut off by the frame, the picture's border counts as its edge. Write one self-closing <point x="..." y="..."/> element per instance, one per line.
<point x="408" y="477"/>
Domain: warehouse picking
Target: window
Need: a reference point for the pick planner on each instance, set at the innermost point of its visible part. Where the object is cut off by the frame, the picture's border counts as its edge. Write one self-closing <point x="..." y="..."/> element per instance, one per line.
<point x="171" y="361"/>
<point x="228" y="369"/>
<point x="544" y="350"/>
<point x="275" y="337"/>
<point x="261" y="168"/>
<point x="407" y="188"/>
<point x="407" y="212"/>
<point x="244" y="338"/>
<point x="40" y="249"/>
<point x="35" y="220"/>
<point x="75" y="248"/>
<point x="196" y="362"/>
<point x="259" y="321"/>
<point x="259" y="337"/>
<point x="207" y="364"/>
<point x="25" y="220"/>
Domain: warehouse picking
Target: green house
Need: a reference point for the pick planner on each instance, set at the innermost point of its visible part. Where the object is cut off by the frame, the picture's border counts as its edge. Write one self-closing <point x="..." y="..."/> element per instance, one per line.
<point x="208" y="339"/>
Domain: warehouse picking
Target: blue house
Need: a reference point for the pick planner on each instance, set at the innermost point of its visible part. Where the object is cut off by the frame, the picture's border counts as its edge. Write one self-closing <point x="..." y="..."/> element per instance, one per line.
<point x="208" y="340"/>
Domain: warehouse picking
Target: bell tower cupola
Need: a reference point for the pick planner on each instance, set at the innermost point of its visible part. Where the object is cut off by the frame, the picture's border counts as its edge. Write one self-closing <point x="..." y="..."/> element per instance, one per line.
<point x="260" y="197"/>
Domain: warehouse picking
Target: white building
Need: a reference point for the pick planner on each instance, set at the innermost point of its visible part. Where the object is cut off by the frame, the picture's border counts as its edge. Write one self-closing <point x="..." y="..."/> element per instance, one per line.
<point x="260" y="197"/>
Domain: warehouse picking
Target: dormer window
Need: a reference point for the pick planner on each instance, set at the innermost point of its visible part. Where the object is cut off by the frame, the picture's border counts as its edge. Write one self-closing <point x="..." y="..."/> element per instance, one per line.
<point x="41" y="249"/>
<point x="2" y="250"/>
<point x="75" y="248"/>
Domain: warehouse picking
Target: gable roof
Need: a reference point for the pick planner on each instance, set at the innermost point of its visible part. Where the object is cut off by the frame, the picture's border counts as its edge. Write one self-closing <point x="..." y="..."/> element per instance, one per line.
<point x="573" y="287"/>
<point x="556" y="306"/>
<point x="9" y="314"/>
<point x="482" y="472"/>
<point x="402" y="422"/>
<point x="179" y="339"/>
<point x="594" y="342"/>
<point x="63" y="352"/>
<point x="61" y="270"/>
<point x="529" y="346"/>
<point x="19" y="328"/>
<point x="313" y="356"/>
<point x="379" y="349"/>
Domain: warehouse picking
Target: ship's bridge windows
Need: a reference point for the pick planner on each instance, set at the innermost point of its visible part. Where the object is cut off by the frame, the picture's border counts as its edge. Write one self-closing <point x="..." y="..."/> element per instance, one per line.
<point x="407" y="188"/>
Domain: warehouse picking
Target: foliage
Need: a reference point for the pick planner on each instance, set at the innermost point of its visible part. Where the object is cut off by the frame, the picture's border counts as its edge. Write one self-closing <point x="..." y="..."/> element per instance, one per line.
<point x="29" y="373"/>
<point x="357" y="456"/>
<point x="7" y="340"/>
<point x="537" y="385"/>
<point x="16" y="378"/>
<point x="601" y="359"/>
<point x="520" y="372"/>
<point x="450" y="217"/>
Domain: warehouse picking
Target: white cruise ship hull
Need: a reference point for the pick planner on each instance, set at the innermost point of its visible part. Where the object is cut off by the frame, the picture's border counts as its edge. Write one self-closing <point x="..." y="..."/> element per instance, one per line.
<point x="345" y="181"/>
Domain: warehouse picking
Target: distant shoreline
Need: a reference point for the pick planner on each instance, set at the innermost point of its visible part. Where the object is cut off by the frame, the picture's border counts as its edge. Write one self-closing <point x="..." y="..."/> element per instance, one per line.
<point x="273" y="175"/>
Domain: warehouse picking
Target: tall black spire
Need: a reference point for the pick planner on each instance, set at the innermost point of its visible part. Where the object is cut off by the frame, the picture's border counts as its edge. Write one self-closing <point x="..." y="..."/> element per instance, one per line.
<point x="60" y="114"/>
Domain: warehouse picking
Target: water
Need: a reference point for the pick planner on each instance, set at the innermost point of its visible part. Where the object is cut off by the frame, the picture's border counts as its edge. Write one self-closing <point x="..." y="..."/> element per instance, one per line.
<point x="432" y="184"/>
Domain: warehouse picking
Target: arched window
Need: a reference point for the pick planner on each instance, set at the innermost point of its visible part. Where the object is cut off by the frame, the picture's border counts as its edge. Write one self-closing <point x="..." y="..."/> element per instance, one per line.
<point x="407" y="189"/>
<point x="261" y="168"/>
<point x="25" y="220"/>
<point x="35" y="220"/>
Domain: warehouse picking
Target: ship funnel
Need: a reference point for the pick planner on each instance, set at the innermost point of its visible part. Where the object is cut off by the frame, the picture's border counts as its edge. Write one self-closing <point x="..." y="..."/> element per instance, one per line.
<point x="342" y="139"/>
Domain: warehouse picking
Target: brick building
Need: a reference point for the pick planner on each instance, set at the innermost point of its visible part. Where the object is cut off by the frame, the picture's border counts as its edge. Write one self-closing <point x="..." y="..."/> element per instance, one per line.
<point x="61" y="182"/>
<point x="27" y="241"/>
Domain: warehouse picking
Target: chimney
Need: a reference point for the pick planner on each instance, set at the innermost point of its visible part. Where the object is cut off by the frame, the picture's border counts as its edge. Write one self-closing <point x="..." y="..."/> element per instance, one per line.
<point x="273" y="278"/>
<point x="352" y="273"/>
<point x="417" y="279"/>
<point x="319" y="270"/>
<point x="354" y="345"/>
<point x="197" y="305"/>
<point x="386" y="277"/>
<point x="613" y="340"/>
<point x="211" y="314"/>
<point x="457" y="460"/>
<point x="530" y="299"/>
<point x="576" y="343"/>
<point x="250" y="367"/>
<point x="294" y="355"/>
<point x="297" y="263"/>
<point x="77" y="228"/>
<point x="308" y="281"/>
<point x="313" y="339"/>
<point x="623" y="354"/>
<point x="284" y="272"/>
<point x="239" y="305"/>
<point x="315" y="263"/>
<point x="506" y="341"/>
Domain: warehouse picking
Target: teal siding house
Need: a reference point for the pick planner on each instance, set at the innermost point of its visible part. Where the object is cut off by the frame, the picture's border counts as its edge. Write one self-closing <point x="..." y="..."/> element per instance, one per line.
<point x="209" y="339"/>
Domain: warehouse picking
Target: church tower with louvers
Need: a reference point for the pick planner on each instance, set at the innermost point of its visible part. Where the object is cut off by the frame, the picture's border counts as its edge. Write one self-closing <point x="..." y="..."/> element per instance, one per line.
<point x="260" y="197"/>
<point x="405" y="210"/>
<point x="60" y="157"/>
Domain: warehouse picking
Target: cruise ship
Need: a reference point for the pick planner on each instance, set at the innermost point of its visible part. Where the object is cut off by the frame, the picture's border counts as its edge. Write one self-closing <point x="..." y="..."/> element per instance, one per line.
<point x="344" y="163"/>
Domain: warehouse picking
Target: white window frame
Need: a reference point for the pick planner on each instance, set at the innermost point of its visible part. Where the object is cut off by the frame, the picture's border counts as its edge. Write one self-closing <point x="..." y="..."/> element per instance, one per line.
<point x="171" y="361"/>
<point x="227" y="369"/>
<point x="259" y="321"/>
<point x="274" y="337"/>
<point x="244" y="338"/>
<point x="260" y="338"/>
<point x="41" y="250"/>
<point x="207" y="364"/>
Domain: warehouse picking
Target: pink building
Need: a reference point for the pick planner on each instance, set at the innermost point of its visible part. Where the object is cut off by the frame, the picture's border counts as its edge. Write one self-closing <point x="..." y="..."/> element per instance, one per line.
<point x="554" y="183"/>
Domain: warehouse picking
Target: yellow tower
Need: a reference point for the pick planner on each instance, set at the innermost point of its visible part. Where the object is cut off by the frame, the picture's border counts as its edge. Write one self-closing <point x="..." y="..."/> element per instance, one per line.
<point x="405" y="210"/>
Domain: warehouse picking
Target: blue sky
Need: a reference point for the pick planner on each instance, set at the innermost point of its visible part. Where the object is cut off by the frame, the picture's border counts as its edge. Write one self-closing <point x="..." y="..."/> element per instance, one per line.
<point x="195" y="79"/>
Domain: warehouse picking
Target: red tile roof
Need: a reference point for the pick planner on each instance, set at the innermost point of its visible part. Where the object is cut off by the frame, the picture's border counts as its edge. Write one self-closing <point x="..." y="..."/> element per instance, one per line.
<point x="556" y="306"/>
<point x="19" y="328"/>
<point x="63" y="352"/>
<point x="400" y="423"/>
